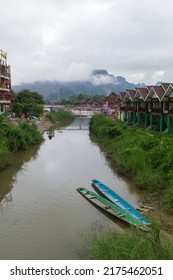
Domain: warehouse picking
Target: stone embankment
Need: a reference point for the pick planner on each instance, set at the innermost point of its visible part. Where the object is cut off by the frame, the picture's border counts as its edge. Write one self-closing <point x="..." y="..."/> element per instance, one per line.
<point x="43" y="125"/>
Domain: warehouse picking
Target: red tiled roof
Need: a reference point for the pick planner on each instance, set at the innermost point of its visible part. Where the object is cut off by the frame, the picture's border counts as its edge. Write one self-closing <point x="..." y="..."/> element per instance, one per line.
<point x="166" y="85"/>
<point x="112" y="95"/>
<point x="122" y="95"/>
<point x="132" y="93"/>
<point x="143" y="92"/>
<point x="159" y="91"/>
<point x="149" y="87"/>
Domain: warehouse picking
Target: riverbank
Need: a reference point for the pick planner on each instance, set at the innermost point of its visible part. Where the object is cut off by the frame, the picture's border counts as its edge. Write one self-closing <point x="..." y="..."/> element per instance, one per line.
<point x="147" y="162"/>
<point x="43" y="125"/>
<point x="133" y="245"/>
<point x="37" y="184"/>
<point x="15" y="137"/>
<point x="19" y="134"/>
<point x="60" y="118"/>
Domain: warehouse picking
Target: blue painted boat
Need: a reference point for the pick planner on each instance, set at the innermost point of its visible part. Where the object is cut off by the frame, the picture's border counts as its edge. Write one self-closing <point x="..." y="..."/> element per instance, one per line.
<point x="118" y="200"/>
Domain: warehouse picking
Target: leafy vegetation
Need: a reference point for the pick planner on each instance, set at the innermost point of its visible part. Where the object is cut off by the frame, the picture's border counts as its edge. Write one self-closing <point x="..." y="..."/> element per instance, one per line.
<point x="134" y="245"/>
<point x="22" y="136"/>
<point x="147" y="160"/>
<point x="60" y="117"/>
<point x="14" y="138"/>
<point x="19" y="136"/>
<point x="79" y="99"/>
<point x="28" y="103"/>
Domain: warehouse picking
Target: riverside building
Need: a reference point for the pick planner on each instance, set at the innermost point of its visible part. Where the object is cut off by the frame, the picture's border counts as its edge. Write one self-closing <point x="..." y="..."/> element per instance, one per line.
<point x="5" y="83"/>
<point x="150" y="107"/>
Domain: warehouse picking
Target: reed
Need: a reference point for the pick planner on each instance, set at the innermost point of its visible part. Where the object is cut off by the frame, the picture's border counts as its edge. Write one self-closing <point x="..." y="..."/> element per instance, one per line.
<point x="134" y="245"/>
<point x="4" y="155"/>
<point x="145" y="159"/>
<point x="61" y="117"/>
<point x="14" y="138"/>
<point x="21" y="137"/>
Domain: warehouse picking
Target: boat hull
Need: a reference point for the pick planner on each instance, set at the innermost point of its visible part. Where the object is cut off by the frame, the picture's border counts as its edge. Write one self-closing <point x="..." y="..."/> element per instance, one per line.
<point x="107" y="193"/>
<point x="109" y="207"/>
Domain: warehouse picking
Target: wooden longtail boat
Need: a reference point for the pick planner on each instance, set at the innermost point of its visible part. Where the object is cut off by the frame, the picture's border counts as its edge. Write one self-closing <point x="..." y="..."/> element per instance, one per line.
<point x="110" y="207"/>
<point x="119" y="201"/>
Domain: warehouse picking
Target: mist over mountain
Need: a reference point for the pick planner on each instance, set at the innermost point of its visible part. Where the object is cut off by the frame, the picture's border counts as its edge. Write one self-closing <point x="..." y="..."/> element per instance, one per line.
<point x="99" y="82"/>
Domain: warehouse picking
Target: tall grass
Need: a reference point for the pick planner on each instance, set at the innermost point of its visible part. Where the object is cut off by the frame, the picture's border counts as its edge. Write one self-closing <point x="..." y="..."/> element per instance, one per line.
<point x="147" y="160"/>
<point x="61" y="117"/>
<point x="14" y="138"/>
<point x="4" y="155"/>
<point x="21" y="137"/>
<point x="134" y="245"/>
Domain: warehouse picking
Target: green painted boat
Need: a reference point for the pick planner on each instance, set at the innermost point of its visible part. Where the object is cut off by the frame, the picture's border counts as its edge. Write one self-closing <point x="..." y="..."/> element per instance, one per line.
<point x="109" y="207"/>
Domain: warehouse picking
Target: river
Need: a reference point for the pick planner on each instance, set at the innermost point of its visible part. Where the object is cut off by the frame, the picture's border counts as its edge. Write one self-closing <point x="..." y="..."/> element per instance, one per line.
<point x="42" y="216"/>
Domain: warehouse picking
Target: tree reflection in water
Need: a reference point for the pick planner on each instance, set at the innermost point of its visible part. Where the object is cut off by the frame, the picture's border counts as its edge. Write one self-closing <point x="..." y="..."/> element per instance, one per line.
<point x="8" y="176"/>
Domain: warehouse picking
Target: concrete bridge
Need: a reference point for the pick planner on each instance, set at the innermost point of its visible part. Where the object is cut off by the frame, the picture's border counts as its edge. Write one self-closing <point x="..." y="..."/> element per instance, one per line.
<point x="81" y="111"/>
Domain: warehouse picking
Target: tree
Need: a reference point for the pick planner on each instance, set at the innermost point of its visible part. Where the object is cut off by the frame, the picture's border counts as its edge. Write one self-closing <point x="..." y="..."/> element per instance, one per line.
<point x="28" y="103"/>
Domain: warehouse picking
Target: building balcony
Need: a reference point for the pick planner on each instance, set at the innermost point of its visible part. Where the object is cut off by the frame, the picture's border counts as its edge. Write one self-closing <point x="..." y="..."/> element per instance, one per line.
<point x="6" y="77"/>
<point x="4" y="89"/>
<point x="5" y="101"/>
<point x="156" y="111"/>
<point x="142" y="109"/>
<point x="5" y="97"/>
<point x="123" y="108"/>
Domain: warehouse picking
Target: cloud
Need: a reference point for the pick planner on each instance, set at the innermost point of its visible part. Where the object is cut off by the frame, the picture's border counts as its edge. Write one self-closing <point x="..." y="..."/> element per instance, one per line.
<point x="65" y="40"/>
<point x="76" y="71"/>
<point x="102" y="79"/>
<point x="158" y="75"/>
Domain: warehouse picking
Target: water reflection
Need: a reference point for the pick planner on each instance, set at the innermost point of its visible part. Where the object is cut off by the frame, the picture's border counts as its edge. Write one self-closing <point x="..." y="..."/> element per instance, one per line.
<point x="9" y="175"/>
<point x="50" y="133"/>
<point x="43" y="216"/>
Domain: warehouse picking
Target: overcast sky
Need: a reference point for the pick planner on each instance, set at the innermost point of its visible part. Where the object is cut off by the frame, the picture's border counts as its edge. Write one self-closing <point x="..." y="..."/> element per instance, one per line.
<point x="65" y="40"/>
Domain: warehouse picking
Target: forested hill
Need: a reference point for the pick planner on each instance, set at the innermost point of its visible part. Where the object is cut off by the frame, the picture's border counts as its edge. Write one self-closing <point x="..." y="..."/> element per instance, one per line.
<point x="99" y="82"/>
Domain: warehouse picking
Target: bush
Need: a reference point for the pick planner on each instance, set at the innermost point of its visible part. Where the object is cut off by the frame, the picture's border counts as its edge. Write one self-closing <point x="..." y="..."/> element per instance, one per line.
<point x="168" y="200"/>
<point x="16" y="138"/>
<point x="60" y="116"/>
<point x="30" y="133"/>
<point x="4" y="155"/>
<point x="148" y="143"/>
<point x="102" y="126"/>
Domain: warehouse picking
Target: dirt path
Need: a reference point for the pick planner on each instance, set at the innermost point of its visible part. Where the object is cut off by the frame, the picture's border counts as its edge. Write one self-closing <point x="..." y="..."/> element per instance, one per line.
<point x="152" y="210"/>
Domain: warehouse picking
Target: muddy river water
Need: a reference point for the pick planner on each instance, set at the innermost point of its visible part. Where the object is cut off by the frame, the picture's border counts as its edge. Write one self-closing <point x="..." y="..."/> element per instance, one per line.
<point x="42" y="216"/>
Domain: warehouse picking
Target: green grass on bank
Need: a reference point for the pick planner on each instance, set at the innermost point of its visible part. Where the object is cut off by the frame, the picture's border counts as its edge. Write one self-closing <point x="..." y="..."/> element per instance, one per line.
<point x="62" y="118"/>
<point x="147" y="160"/>
<point x="135" y="245"/>
<point x="19" y="136"/>
<point x="14" y="138"/>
